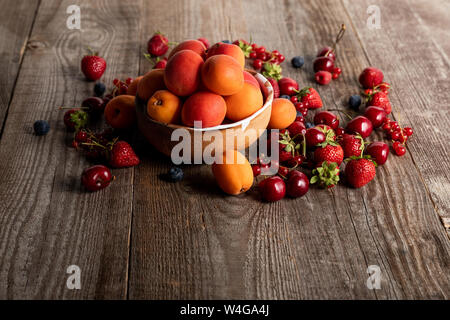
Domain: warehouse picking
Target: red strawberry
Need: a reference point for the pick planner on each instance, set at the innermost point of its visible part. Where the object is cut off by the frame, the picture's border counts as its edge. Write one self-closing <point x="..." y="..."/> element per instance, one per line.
<point x="160" y="64"/>
<point x="384" y="86"/>
<point x="326" y="176"/>
<point x="380" y="99"/>
<point x="276" y="88"/>
<point x="157" y="45"/>
<point x="371" y="77"/>
<point x="310" y="98"/>
<point x="93" y="66"/>
<point x="359" y="172"/>
<point x="329" y="153"/>
<point x="122" y="155"/>
<point x="75" y="119"/>
<point x="353" y="145"/>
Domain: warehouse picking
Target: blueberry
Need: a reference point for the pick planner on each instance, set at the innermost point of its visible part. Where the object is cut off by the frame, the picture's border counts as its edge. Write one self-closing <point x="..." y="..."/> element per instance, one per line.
<point x="354" y="102"/>
<point x="99" y="89"/>
<point x="285" y="96"/>
<point x="41" y="127"/>
<point x="309" y="125"/>
<point x="175" y="174"/>
<point x="297" y="62"/>
<point x="226" y="41"/>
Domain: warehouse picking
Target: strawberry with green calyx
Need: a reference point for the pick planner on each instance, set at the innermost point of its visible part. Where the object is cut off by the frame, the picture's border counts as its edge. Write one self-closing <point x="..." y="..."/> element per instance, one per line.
<point x="360" y="170"/>
<point x="272" y="70"/>
<point x="310" y="98"/>
<point x="75" y="119"/>
<point x="93" y="66"/>
<point x="353" y="145"/>
<point x="326" y="176"/>
<point x="288" y="143"/>
<point x="245" y="46"/>
<point x="380" y="99"/>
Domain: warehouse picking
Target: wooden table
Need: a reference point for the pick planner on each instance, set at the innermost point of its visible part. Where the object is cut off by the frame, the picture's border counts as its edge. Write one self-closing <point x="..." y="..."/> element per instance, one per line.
<point x="143" y="238"/>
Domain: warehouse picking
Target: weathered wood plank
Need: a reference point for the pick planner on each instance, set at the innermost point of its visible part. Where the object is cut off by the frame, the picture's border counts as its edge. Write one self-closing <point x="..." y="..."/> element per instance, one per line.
<point x="47" y="221"/>
<point x="418" y="67"/>
<point x="16" y="22"/>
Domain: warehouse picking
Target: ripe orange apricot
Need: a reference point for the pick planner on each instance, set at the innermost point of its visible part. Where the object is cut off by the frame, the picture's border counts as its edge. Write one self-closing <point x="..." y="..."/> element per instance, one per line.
<point x="244" y="103"/>
<point x="132" y="88"/>
<point x="164" y="107"/>
<point x="228" y="49"/>
<point x="204" y="106"/>
<point x="194" y="45"/>
<point x="248" y="77"/>
<point x="234" y="175"/>
<point x="223" y="75"/>
<point x="283" y="114"/>
<point x="150" y="83"/>
<point x="120" y="112"/>
<point x="182" y="73"/>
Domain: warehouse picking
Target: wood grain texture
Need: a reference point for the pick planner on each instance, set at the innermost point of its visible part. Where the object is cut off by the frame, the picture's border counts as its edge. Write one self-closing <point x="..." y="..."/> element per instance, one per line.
<point x="47" y="221"/>
<point x="14" y="32"/>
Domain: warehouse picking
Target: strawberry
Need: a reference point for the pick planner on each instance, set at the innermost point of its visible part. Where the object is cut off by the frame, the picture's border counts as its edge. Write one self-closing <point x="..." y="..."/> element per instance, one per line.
<point x="380" y="99"/>
<point x="359" y="171"/>
<point x="93" y="66"/>
<point x="75" y="119"/>
<point x="310" y="98"/>
<point x="158" y="45"/>
<point x="353" y="145"/>
<point x="371" y="77"/>
<point x="122" y="155"/>
<point x="326" y="176"/>
<point x="276" y="88"/>
<point x="160" y="64"/>
<point x="384" y="86"/>
<point x="329" y="153"/>
<point x="272" y="70"/>
<point x="245" y="47"/>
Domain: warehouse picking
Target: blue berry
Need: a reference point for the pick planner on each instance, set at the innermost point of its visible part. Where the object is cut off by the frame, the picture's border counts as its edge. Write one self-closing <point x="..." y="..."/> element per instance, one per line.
<point x="285" y="96"/>
<point x="226" y="41"/>
<point x="175" y="174"/>
<point x="99" y="89"/>
<point x="309" y="125"/>
<point x="297" y="62"/>
<point x="354" y="102"/>
<point x="41" y="127"/>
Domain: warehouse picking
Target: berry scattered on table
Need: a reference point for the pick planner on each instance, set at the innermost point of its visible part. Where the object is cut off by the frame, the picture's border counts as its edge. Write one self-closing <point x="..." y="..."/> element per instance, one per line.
<point x="370" y="77"/>
<point x="353" y="145"/>
<point x="361" y="125"/>
<point x="326" y="175"/>
<point x="354" y="102"/>
<point x="272" y="189"/>
<point x="175" y="174"/>
<point x="41" y="127"/>
<point x="288" y="86"/>
<point x="93" y="66"/>
<point x="122" y="155"/>
<point x="379" y="151"/>
<point x="328" y="118"/>
<point x="359" y="171"/>
<point x="297" y="184"/>
<point x="323" y="77"/>
<point x="99" y="89"/>
<point x="157" y="45"/>
<point x="297" y="62"/>
<point x="75" y="119"/>
<point x="96" y="177"/>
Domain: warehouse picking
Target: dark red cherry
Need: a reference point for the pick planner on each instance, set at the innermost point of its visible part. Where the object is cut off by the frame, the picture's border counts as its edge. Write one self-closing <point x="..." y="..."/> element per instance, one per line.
<point x="327" y="52"/>
<point x="328" y="118"/>
<point x="272" y="189"/>
<point x="96" y="177"/>
<point x="314" y="136"/>
<point x="323" y="64"/>
<point x="297" y="184"/>
<point x="360" y="125"/>
<point x="379" y="151"/>
<point x="376" y="115"/>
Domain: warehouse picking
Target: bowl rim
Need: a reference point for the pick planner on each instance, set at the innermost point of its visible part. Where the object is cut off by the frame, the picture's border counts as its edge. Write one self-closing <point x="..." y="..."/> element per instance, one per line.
<point x="244" y="122"/>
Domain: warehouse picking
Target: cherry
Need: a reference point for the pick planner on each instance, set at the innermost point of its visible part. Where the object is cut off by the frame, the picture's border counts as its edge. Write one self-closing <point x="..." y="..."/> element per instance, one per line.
<point x="252" y="55"/>
<point x="95" y="105"/>
<point x="296" y="161"/>
<point x="360" y="125"/>
<point x="272" y="188"/>
<point x="256" y="170"/>
<point x="297" y="128"/>
<point x="294" y="99"/>
<point x="396" y="135"/>
<point x="314" y="136"/>
<point x="281" y="58"/>
<point x="328" y="118"/>
<point x="379" y="151"/>
<point x="260" y="50"/>
<point x="297" y="184"/>
<point x="323" y="64"/>
<point x="399" y="149"/>
<point x="257" y="64"/>
<point x="288" y="86"/>
<point x="340" y="131"/>
<point x="376" y="115"/>
<point x="303" y="111"/>
<point x="408" y="131"/>
<point x="81" y="136"/>
<point x="96" y="177"/>
<point x="327" y="52"/>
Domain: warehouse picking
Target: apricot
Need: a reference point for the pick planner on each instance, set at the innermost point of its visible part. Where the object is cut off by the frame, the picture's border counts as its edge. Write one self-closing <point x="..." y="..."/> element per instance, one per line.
<point x="194" y="45"/>
<point x="164" y="107"/>
<point x="244" y="103"/>
<point x="150" y="83"/>
<point x="248" y="77"/>
<point x="204" y="106"/>
<point x="234" y="175"/>
<point x="283" y="114"/>
<point x="223" y="75"/>
<point x="132" y="88"/>
<point x="120" y="112"/>
<point x="182" y="73"/>
<point x="228" y="49"/>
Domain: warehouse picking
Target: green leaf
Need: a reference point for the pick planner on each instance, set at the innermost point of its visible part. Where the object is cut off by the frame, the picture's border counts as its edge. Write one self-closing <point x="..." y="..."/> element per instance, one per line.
<point x="314" y="179"/>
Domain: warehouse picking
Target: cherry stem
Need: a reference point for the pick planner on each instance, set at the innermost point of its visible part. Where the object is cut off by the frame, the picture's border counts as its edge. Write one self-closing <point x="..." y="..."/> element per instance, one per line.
<point x="345" y="113"/>
<point x="339" y="36"/>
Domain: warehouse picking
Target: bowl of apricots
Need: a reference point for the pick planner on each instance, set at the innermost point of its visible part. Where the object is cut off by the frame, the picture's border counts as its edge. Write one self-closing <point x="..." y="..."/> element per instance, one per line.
<point x="206" y="92"/>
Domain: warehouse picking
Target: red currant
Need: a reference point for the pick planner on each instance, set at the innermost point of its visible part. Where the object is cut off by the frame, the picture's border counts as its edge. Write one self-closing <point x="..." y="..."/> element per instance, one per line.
<point x="256" y="170"/>
<point x="395" y="135"/>
<point x="334" y="76"/>
<point x="386" y="127"/>
<point x="303" y="111"/>
<point x="254" y="46"/>
<point x="81" y="136"/>
<point x="340" y="131"/>
<point x="294" y="99"/>
<point x="408" y="131"/>
<point x="281" y="58"/>
<point x="257" y="64"/>
<point x="252" y="55"/>
<point x="275" y="53"/>
<point x="283" y="171"/>
<point x="260" y="50"/>
<point x="400" y="150"/>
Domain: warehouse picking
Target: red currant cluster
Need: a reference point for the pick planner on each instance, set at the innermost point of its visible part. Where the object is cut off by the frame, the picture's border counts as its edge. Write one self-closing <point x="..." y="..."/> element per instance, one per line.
<point x="94" y="145"/>
<point x="398" y="135"/>
<point x="120" y="87"/>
